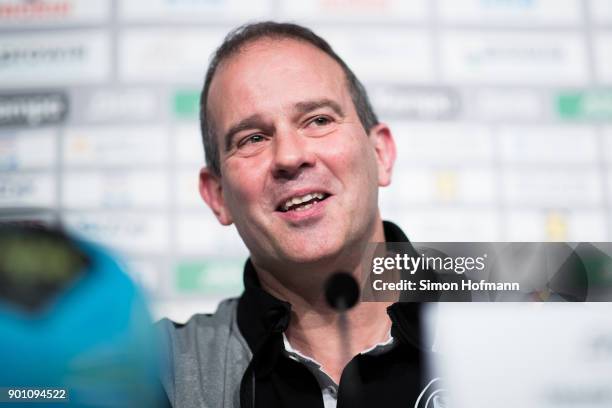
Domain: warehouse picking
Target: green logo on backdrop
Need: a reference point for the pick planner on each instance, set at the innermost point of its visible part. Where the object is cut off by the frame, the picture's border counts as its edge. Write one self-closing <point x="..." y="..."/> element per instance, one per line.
<point x="585" y="105"/>
<point x="186" y="104"/>
<point x="210" y="277"/>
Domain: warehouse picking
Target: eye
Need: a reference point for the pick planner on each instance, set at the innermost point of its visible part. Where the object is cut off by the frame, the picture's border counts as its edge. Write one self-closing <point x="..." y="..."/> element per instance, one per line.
<point x="252" y="139"/>
<point x="320" y="121"/>
<point x="320" y="125"/>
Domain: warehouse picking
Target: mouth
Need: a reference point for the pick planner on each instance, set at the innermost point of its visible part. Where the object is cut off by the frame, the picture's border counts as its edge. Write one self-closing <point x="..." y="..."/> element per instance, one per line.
<point x="301" y="202"/>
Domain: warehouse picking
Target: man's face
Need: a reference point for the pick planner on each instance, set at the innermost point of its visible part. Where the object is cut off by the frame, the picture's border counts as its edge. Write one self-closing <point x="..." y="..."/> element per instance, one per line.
<point x="299" y="174"/>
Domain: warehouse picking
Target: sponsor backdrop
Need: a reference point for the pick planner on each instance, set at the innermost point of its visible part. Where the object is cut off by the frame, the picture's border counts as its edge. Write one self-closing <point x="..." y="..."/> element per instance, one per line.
<point x="502" y="112"/>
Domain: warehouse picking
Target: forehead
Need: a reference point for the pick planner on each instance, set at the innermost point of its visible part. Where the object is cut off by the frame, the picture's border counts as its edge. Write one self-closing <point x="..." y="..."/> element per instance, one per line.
<point x="272" y="74"/>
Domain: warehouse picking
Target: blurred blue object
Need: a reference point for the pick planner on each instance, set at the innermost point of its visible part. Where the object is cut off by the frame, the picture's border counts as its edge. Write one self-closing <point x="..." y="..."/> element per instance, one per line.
<point x="92" y="335"/>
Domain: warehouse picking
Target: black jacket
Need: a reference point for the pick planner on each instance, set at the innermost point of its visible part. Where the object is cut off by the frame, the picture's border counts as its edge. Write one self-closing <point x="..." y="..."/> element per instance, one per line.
<point x="198" y="372"/>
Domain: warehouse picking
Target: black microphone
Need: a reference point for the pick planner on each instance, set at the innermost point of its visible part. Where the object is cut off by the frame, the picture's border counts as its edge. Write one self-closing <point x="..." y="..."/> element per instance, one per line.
<point x="341" y="291"/>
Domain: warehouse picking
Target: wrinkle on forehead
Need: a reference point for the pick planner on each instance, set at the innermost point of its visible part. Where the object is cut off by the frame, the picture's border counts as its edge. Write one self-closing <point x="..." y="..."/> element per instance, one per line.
<point x="239" y="80"/>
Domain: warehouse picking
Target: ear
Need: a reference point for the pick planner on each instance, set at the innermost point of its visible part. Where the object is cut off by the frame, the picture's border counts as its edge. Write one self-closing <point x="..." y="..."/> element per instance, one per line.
<point x="212" y="193"/>
<point x="384" y="147"/>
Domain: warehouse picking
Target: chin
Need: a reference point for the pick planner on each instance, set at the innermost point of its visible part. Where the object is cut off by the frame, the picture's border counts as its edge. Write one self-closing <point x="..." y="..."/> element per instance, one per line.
<point x="313" y="252"/>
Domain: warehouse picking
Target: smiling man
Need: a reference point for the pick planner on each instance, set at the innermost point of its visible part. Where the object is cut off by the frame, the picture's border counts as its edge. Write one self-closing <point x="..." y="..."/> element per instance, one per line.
<point x="295" y="157"/>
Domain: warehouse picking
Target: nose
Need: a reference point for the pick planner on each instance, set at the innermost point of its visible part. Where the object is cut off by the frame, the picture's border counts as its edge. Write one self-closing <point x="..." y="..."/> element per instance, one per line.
<point x="292" y="154"/>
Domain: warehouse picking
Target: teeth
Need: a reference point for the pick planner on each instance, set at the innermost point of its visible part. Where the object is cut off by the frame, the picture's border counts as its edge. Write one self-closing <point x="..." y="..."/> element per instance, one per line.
<point x="299" y="200"/>
<point x="304" y="207"/>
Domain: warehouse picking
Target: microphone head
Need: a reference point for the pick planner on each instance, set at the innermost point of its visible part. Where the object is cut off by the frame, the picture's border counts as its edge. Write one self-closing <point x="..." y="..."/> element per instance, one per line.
<point x="341" y="291"/>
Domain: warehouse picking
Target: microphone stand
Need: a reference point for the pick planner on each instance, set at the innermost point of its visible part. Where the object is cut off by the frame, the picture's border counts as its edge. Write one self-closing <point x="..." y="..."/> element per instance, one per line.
<point x="342" y="293"/>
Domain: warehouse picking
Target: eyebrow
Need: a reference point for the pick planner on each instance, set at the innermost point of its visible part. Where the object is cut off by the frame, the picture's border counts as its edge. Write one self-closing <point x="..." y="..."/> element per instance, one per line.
<point x="251" y="122"/>
<point x="309" y="106"/>
<point x="256" y="120"/>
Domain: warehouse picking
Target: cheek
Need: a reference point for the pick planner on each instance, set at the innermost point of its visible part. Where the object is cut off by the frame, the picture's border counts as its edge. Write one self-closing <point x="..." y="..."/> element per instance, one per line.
<point x="355" y="159"/>
<point x="354" y="165"/>
<point x="241" y="187"/>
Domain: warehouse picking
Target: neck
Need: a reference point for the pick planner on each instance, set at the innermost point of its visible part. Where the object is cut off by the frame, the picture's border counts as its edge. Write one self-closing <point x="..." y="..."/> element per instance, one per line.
<point x="316" y="333"/>
<point x="314" y="326"/>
